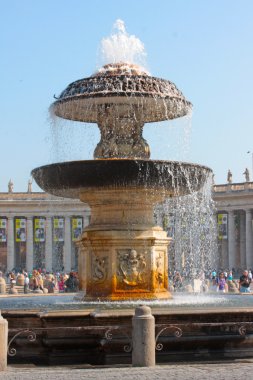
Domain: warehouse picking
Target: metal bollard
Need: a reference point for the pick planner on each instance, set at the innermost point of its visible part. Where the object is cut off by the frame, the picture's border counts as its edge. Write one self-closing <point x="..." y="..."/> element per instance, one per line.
<point x="143" y="337"/>
<point x="3" y="343"/>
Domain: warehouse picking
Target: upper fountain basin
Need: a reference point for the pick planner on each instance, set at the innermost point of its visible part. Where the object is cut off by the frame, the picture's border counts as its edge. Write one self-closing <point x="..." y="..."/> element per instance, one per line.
<point x="153" y="99"/>
<point x="68" y="179"/>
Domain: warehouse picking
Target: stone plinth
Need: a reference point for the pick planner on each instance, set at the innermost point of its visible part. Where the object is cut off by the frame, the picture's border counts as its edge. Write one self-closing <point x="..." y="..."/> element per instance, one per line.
<point x="123" y="254"/>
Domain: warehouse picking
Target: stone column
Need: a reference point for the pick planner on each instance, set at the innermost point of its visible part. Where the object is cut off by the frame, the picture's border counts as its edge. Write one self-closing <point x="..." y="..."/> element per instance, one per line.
<point x="242" y="240"/>
<point x="231" y="240"/>
<point x="29" y="244"/>
<point x="67" y="245"/>
<point x="249" y="253"/>
<point x="86" y="220"/>
<point x="10" y="244"/>
<point x="49" y="244"/>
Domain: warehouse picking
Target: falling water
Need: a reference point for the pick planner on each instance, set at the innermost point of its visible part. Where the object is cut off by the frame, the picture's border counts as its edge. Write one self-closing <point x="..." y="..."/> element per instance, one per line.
<point x="190" y="223"/>
<point x="71" y="140"/>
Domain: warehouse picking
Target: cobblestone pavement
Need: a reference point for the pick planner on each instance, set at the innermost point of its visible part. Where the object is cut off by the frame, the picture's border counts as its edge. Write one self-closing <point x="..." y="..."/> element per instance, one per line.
<point x="188" y="371"/>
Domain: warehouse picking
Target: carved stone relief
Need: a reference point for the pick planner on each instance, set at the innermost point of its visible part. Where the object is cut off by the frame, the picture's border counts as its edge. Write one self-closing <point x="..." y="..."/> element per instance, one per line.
<point x="99" y="268"/>
<point x="159" y="271"/>
<point x="131" y="267"/>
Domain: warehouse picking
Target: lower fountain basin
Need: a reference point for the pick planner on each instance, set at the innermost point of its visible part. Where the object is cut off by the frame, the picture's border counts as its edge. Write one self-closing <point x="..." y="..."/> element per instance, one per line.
<point x="55" y="330"/>
<point x="181" y="302"/>
<point x="171" y="177"/>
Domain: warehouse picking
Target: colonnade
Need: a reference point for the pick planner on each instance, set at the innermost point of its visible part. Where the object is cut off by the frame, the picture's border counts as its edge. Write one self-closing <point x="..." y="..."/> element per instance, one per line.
<point x="48" y="241"/>
<point x="236" y="249"/>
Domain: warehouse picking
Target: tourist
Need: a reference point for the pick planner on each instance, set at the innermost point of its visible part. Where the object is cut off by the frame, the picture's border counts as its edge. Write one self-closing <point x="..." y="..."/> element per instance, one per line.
<point x="12" y="278"/>
<point x="37" y="281"/>
<point x="230" y="276"/>
<point x="49" y="283"/>
<point x="61" y="284"/>
<point x="213" y="286"/>
<point x="71" y="284"/>
<point x="34" y="280"/>
<point x="177" y="282"/>
<point x="213" y="274"/>
<point x="245" y="282"/>
<point x="221" y="283"/>
<point x="26" y="283"/>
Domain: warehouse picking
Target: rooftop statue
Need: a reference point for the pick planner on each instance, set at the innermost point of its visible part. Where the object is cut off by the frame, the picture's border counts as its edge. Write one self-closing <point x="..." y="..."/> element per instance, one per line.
<point x="29" y="187"/>
<point x="10" y="186"/>
<point x="246" y="173"/>
<point x="229" y="177"/>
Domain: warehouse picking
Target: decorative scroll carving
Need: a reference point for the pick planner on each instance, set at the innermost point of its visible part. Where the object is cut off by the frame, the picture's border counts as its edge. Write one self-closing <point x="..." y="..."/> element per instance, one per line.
<point x="242" y="330"/>
<point x="131" y="267"/>
<point x="99" y="268"/>
<point x="31" y="337"/>
<point x="109" y="336"/>
<point x="177" y="332"/>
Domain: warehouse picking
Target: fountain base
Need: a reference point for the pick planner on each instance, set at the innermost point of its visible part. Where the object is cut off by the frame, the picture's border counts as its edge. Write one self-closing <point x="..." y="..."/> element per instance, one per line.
<point x="100" y="334"/>
<point x="124" y="264"/>
<point x="122" y="254"/>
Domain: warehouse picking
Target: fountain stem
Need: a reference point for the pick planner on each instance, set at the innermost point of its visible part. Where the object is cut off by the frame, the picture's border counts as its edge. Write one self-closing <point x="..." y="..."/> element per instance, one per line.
<point x="121" y="133"/>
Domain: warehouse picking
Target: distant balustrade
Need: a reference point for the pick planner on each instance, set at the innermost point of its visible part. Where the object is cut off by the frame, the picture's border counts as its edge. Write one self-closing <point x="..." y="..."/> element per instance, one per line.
<point x="233" y="187"/>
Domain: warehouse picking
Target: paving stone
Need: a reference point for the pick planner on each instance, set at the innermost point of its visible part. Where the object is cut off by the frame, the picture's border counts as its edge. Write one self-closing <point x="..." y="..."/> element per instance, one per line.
<point x="184" y="371"/>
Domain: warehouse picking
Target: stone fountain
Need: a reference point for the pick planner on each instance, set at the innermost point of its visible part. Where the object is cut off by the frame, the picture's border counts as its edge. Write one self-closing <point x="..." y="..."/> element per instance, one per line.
<point x="123" y="254"/>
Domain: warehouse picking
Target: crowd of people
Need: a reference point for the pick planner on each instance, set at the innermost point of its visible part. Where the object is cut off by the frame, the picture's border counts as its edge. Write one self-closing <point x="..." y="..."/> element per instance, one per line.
<point x="215" y="281"/>
<point x="40" y="281"/>
<point x="224" y="281"/>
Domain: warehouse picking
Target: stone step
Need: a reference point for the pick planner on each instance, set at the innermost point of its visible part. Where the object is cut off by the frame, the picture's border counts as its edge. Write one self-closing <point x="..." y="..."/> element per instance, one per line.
<point x="19" y="288"/>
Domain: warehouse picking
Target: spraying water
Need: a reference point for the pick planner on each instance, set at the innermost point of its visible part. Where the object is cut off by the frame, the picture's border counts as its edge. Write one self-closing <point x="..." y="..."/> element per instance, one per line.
<point x="122" y="47"/>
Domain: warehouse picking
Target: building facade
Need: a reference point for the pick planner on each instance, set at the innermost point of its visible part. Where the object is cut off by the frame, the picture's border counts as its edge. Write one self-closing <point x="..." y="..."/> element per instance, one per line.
<point x="234" y="203"/>
<point x="38" y="230"/>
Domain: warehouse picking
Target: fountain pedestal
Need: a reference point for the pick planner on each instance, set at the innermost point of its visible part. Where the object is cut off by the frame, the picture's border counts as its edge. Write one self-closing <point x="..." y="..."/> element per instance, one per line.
<point x="123" y="254"/>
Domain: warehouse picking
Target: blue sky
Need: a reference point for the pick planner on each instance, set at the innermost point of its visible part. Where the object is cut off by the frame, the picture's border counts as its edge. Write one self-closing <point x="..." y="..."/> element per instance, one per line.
<point x="204" y="46"/>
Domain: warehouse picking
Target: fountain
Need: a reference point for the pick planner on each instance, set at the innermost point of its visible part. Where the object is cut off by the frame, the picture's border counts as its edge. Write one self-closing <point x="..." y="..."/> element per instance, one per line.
<point x="123" y="253"/>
